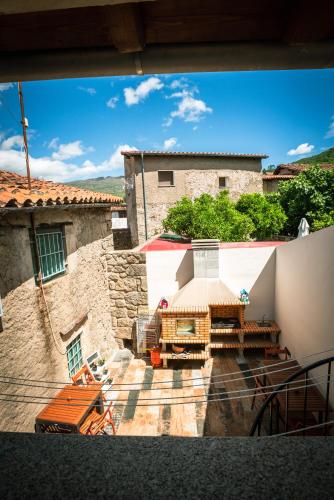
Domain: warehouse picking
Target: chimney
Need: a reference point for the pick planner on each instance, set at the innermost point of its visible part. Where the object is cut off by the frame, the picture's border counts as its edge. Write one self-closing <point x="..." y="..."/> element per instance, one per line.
<point x="206" y="258"/>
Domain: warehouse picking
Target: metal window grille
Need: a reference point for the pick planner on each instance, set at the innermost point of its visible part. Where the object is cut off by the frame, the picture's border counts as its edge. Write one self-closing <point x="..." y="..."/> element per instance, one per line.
<point x="74" y="356"/>
<point x="51" y="253"/>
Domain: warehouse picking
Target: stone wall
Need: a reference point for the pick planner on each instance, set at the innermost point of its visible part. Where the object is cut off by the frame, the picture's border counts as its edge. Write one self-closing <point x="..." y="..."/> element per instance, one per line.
<point x="127" y="281"/>
<point x="78" y="303"/>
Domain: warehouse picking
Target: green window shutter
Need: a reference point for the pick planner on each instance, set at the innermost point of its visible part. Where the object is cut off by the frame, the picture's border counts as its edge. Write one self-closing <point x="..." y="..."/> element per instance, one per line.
<point x="51" y="249"/>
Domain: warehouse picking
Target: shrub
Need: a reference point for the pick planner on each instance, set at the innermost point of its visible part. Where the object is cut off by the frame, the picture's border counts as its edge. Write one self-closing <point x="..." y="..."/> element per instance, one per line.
<point x="309" y="195"/>
<point x="209" y="217"/>
<point x="265" y="212"/>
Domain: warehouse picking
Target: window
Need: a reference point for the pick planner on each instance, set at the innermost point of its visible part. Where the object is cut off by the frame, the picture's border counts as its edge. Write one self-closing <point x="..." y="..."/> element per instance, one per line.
<point x="223" y="182"/>
<point x="51" y="249"/>
<point x="165" y="178"/>
<point x="74" y="356"/>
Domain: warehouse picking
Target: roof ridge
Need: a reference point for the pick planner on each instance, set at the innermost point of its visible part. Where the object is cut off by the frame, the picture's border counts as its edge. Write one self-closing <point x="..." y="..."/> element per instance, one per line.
<point x="192" y="153"/>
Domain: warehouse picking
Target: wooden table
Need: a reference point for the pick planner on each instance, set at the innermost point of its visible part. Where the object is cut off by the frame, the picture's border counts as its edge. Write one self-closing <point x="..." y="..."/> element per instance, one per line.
<point x="292" y="402"/>
<point x="69" y="408"/>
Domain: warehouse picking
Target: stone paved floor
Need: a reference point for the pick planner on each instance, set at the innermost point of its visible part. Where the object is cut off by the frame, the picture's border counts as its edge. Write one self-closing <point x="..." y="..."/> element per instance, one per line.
<point x="231" y="417"/>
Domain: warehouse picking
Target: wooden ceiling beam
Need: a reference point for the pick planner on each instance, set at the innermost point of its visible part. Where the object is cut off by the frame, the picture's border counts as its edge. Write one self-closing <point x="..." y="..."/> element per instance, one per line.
<point x="126" y="31"/>
<point x="309" y="21"/>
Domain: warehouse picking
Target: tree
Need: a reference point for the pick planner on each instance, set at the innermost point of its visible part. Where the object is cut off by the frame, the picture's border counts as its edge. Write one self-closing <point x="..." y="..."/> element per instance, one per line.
<point x="265" y="212"/>
<point x="209" y="217"/>
<point x="309" y="195"/>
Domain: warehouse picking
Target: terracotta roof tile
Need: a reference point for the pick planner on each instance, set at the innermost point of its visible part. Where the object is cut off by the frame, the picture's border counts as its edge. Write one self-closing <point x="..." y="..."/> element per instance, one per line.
<point x="300" y="167"/>
<point x="278" y="177"/>
<point x="193" y="153"/>
<point x="14" y="192"/>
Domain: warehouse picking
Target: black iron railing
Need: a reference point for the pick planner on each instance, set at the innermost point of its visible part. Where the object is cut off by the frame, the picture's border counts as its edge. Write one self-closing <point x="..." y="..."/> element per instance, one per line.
<point x="274" y="418"/>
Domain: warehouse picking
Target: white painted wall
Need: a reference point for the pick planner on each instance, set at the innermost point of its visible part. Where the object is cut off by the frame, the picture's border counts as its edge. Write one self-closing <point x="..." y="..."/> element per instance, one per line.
<point x="167" y="271"/>
<point x="249" y="268"/>
<point x="304" y="294"/>
<point x="254" y="270"/>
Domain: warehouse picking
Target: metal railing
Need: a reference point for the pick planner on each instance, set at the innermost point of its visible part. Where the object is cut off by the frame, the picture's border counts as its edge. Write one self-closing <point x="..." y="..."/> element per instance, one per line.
<point x="272" y="423"/>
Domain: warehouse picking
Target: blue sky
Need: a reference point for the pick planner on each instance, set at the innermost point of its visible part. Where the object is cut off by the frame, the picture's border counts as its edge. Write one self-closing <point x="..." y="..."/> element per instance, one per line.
<point x="77" y="127"/>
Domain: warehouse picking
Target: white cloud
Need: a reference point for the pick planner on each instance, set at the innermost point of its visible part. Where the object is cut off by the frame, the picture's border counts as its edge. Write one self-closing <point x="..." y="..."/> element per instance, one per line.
<point x="70" y="150"/>
<point x="12" y="142"/>
<point x="112" y="102"/>
<point x="170" y="143"/>
<point x="114" y="162"/>
<point x="54" y="143"/>
<point x="167" y="122"/>
<point x="134" y="96"/>
<point x="190" y="109"/>
<point x="330" y="131"/>
<point x="179" y="84"/>
<point x="57" y="170"/>
<point x="302" y="149"/>
<point x="88" y="90"/>
<point x="5" y="86"/>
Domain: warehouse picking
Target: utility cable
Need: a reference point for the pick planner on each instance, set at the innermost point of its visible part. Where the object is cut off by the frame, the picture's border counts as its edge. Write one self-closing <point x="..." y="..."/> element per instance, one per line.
<point x="127" y="404"/>
<point x="142" y="384"/>
<point x="192" y="396"/>
<point x="9" y="111"/>
<point x="316" y="426"/>
<point x="213" y="377"/>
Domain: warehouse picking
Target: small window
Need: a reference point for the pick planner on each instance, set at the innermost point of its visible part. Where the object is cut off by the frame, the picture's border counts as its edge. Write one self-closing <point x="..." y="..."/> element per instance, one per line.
<point x="165" y="178"/>
<point x="223" y="183"/>
<point x="74" y="356"/>
<point x="51" y="250"/>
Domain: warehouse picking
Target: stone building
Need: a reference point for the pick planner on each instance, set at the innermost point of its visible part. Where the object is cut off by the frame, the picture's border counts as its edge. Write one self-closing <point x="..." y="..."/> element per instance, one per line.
<point x="57" y="280"/>
<point x="156" y="180"/>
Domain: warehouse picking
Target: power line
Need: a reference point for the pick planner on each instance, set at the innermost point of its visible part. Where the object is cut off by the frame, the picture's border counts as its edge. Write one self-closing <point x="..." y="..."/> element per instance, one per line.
<point x="142" y="384"/>
<point x="9" y="111"/>
<point x="316" y="426"/>
<point x="213" y="377"/>
<point x="116" y="405"/>
<point x="168" y="388"/>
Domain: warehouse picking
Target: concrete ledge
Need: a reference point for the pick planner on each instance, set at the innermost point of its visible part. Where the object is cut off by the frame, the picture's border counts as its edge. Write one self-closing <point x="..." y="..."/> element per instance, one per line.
<point x="64" y="466"/>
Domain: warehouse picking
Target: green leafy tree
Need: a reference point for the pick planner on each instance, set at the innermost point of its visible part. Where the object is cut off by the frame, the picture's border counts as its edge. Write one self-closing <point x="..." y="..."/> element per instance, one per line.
<point x="208" y="217"/>
<point x="309" y="195"/>
<point x="266" y="213"/>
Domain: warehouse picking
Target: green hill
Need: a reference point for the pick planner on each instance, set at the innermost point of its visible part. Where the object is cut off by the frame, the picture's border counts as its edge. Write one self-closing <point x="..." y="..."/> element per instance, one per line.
<point x="110" y="185"/>
<point x="324" y="157"/>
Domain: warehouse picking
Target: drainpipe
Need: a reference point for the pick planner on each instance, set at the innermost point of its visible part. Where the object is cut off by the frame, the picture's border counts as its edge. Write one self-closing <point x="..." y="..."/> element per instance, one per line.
<point x="144" y="194"/>
<point x="35" y="245"/>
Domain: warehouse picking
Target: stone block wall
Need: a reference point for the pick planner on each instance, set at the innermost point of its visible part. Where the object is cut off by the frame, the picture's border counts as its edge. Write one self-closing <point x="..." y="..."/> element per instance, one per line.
<point x="126" y="272"/>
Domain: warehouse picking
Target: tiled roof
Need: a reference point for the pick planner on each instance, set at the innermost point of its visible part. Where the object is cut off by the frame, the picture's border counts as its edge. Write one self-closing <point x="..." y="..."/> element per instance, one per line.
<point x="14" y="192"/>
<point x="300" y="167"/>
<point x="277" y="177"/>
<point x="193" y="153"/>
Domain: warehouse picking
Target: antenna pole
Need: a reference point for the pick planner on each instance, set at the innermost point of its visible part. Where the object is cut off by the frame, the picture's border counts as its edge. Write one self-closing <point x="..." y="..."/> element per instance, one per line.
<point x="24" y="129"/>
